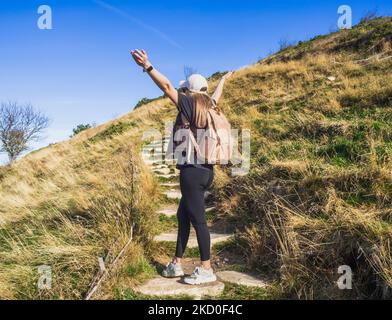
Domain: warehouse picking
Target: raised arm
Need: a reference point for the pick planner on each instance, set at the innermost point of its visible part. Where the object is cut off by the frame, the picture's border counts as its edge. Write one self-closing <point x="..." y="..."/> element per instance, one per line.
<point x="219" y="89"/>
<point x="141" y="58"/>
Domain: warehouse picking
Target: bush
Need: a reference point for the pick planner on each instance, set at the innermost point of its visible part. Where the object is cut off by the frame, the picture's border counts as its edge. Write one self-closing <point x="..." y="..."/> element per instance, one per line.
<point x="144" y="101"/>
<point x="344" y="148"/>
<point x="217" y="75"/>
<point x="80" y="128"/>
<point x="113" y="130"/>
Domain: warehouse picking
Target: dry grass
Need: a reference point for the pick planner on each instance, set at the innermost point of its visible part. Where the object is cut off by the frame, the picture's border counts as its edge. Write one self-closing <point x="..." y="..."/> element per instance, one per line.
<point x="68" y="204"/>
<point x="319" y="193"/>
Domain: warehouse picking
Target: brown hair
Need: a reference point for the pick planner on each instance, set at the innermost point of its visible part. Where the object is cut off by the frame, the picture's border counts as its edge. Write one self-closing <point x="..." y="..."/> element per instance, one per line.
<point x="202" y="103"/>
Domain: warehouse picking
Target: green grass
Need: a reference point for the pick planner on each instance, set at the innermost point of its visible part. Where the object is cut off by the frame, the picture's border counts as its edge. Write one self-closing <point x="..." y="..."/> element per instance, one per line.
<point x="113" y="130"/>
<point x="238" y="292"/>
<point x="141" y="269"/>
<point x="169" y="247"/>
<point x="345" y="148"/>
<point x="145" y="101"/>
<point x="231" y="292"/>
<point x="129" y="294"/>
<point x="167" y="223"/>
<point x="211" y="215"/>
<point x="165" y="180"/>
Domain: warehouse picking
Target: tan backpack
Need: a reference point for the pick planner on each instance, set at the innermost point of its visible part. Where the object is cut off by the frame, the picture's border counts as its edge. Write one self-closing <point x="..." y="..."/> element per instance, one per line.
<point x="212" y="144"/>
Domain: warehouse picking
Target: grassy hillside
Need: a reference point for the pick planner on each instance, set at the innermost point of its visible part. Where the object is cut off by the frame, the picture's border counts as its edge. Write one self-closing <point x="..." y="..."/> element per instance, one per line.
<point x="68" y="204"/>
<point x="318" y="195"/>
<point x="320" y="191"/>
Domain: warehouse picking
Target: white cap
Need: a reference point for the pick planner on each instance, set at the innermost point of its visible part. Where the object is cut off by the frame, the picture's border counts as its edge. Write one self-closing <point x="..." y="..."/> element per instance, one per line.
<point x="183" y="84"/>
<point x="195" y="82"/>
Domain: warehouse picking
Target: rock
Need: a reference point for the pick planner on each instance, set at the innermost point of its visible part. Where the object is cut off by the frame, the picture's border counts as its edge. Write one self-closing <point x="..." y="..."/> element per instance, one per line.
<point x="161" y="286"/>
<point x="331" y="79"/>
<point x="240" y="278"/>
<point x="162" y="171"/>
<point x="159" y="166"/>
<point x="170" y="184"/>
<point x="173" y="194"/>
<point x="150" y="162"/>
<point x="167" y="176"/>
<point x="169" y="210"/>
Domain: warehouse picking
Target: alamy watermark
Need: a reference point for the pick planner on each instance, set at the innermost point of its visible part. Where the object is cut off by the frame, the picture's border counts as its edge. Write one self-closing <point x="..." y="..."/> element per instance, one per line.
<point x="45" y="278"/>
<point x="345" y="280"/>
<point x="345" y="20"/>
<point x="44" y="21"/>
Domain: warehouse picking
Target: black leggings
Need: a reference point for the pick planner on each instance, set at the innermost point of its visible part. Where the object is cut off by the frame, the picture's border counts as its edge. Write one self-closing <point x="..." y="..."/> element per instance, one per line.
<point x="193" y="182"/>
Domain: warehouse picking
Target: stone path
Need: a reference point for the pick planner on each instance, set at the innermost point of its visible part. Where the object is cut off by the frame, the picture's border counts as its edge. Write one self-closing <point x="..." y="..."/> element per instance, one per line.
<point x="192" y="242"/>
<point x="160" y="286"/>
<point x="240" y="279"/>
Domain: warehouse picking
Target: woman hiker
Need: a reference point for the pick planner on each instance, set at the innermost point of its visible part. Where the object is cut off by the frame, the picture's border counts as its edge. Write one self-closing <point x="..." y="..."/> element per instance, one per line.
<point x="195" y="178"/>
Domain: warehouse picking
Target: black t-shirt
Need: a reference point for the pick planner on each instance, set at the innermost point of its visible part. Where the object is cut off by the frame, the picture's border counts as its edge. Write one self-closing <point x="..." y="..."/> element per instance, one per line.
<point x="186" y="107"/>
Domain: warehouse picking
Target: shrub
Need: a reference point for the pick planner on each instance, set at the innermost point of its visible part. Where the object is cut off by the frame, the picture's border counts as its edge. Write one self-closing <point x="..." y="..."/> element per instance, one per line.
<point x="113" y="130"/>
<point x="80" y="128"/>
<point x="144" y="101"/>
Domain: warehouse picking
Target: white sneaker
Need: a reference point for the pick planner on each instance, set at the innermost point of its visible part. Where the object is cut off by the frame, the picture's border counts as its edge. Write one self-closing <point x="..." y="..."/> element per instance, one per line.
<point x="172" y="270"/>
<point x="201" y="275"/>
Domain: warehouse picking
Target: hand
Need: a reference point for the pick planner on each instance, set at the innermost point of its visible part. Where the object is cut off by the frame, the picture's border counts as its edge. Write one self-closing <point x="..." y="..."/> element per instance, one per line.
<point x="141" y="58"/>
<point x="228" y="75"/>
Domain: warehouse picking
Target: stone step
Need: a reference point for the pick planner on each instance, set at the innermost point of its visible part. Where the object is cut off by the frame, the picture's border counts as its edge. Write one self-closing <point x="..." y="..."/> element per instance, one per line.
<point x="153" y="162"/>
<point x="155" y="157"/>
<point x="160" y="286"/>
<point x="160" y="148"/>
<point x="151" y="150"/>
<point x="169" y="210"/>
<point x="240" y="278"/>
<point x="176" y="194"/>
<point x="173" y="194"/>
<point x="170" y="184"/>
<point x="167" y="176"/>
<point x="159" y="166"/>
<point x="209" y="209"/>
<point x="157" y="153"/>
<point x="192" y="242"/>
<point x="158" y="143"/>
<point x="162" y="171"/>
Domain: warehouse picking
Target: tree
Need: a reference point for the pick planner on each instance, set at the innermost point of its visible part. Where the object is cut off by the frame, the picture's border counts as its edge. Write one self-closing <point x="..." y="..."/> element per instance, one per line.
<point x="19" y="125"/>
<point x="80" y="128"/>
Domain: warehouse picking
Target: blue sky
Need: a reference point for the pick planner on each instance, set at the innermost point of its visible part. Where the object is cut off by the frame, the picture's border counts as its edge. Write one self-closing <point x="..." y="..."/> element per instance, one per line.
<point x="81" y="72"/>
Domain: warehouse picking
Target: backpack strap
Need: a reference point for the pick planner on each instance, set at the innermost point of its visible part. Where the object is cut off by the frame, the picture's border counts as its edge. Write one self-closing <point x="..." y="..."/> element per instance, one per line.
<point x="210" y="120"/>
<point x="194" y="142"/>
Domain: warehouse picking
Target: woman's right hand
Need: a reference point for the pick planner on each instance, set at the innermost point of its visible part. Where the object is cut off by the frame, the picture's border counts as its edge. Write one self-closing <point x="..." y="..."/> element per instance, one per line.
<point x="141" y="58"/>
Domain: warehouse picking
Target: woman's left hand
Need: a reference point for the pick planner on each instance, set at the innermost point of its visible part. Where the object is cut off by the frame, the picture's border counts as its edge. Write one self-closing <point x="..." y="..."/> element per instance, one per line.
<point x="140" y="57"/>
<point x="228" y="75"/>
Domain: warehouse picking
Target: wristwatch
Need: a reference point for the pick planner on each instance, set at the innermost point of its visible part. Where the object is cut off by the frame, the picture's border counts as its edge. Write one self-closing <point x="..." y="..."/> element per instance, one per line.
<point x="149" y="69"/>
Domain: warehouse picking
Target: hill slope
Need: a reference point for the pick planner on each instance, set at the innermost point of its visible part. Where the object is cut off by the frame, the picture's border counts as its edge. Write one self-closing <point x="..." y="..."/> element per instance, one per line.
<point x="318" y="195"/>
